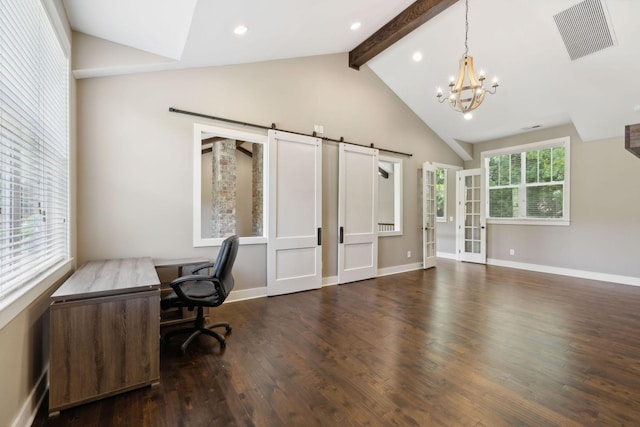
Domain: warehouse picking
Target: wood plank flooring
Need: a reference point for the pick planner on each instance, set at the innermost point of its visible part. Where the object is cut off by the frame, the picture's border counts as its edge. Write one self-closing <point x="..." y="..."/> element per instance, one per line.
<point x="457" y="345"/>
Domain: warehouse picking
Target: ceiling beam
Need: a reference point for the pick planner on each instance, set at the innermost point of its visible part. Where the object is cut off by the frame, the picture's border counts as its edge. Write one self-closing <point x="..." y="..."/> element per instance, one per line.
<point x="408" y="20"/>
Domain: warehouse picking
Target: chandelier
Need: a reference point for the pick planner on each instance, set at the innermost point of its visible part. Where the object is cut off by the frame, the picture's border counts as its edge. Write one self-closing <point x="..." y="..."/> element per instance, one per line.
<point x="466" y="91"/>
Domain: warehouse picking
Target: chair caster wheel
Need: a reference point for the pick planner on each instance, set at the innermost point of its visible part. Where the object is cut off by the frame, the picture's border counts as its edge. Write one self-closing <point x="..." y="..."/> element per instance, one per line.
<point x="223" y="344"/>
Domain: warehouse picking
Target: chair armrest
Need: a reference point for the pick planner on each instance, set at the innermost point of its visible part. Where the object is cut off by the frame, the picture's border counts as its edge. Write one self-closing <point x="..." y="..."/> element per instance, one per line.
<point x="176" y="285"/>
<point x="202" y="266"/>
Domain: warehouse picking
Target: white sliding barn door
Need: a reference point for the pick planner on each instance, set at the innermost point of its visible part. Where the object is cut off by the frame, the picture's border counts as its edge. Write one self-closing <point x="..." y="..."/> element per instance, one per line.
<point x="471" y="229"/>
<point x="357" y="213"/>
<point x="428" y="215"/>
<point x="294" y="251"/>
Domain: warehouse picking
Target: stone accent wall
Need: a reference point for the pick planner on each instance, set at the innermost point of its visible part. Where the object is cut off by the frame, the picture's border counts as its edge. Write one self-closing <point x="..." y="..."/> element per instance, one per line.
<point x="257" y="206"/>
<point x="223" y="209"/>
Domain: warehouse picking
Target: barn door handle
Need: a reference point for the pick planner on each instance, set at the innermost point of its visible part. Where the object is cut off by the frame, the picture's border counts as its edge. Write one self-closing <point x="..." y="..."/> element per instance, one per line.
<point x="319" y="236"/>
<point x="341" y="234"/>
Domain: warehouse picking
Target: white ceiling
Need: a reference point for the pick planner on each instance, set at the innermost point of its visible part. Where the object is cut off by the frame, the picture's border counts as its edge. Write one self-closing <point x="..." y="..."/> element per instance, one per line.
<point x="516" y="40"/>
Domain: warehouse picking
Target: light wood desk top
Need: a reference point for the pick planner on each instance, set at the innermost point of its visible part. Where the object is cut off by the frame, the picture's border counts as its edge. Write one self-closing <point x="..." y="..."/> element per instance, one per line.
<point x="109" y="277"/>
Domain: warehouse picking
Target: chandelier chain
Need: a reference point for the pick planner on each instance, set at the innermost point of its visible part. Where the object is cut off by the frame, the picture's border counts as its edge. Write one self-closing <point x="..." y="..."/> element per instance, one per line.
<point x="466" y="28"/>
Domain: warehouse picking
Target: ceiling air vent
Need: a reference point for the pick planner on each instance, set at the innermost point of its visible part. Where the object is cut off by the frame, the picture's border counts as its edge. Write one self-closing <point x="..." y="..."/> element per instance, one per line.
<point x="584" y="28"/>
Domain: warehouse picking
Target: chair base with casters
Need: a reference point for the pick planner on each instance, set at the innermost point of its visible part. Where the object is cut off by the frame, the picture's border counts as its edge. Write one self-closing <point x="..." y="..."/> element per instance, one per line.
<point x="199" y="328"/>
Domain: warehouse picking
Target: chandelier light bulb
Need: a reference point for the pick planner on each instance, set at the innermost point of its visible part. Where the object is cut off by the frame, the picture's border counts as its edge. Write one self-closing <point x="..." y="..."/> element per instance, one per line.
<point x="467" y="116"/>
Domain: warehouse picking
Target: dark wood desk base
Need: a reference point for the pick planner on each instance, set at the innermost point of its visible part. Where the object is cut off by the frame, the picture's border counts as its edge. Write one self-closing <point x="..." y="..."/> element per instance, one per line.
<point x="102" y="342"/>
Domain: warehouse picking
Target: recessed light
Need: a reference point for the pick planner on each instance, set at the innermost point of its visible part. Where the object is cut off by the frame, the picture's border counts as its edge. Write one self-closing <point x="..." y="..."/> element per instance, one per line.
<point x="636" y="108"/>
<point x="356" y="26"/>
<point x="417" y="56"/>
<point x="240" y="30"/>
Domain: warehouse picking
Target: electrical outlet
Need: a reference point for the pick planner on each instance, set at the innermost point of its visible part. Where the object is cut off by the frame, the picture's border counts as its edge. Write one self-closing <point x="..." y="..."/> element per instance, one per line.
<point x="318" y="129"/>
<point x="408" y="254"/>
<point x="512" y="252"/>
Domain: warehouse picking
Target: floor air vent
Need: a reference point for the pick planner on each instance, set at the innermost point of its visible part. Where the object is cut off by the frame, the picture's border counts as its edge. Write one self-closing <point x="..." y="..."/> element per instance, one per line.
<point x="584" y="28"/>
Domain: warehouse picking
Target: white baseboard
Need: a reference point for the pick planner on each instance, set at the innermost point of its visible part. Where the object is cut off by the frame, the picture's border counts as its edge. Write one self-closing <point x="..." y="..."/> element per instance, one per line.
<point x="447" y="255"/>
<point x="244" y="294"/>
<point x="260" y="292"/>
<point x="399" y="269"/>
<point x="329" y="281"/>
<point x="581" y="274"/>
<point x="29" y="408"/>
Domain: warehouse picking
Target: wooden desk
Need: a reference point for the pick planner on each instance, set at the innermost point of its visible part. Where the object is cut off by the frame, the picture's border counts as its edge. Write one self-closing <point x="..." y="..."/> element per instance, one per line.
<point x="104" y="332"/>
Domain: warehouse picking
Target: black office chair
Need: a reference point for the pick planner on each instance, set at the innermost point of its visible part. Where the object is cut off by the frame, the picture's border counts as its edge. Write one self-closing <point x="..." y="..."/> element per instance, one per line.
<point x="199" y="291"/>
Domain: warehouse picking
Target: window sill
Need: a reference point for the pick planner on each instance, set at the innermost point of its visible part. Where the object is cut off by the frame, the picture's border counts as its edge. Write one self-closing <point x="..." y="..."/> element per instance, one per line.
<point x="214" y="242"/>
<point x="389" y="233"/>
<point x="505" y="221"/>
<point x="16" y="302"/>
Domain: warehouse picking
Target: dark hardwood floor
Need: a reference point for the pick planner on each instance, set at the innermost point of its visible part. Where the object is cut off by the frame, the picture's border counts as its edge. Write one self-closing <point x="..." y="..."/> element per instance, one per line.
<point x="457" y="345"/>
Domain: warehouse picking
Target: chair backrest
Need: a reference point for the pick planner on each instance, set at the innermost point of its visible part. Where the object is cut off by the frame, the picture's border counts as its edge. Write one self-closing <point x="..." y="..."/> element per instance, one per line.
<point x="224" y="265"/>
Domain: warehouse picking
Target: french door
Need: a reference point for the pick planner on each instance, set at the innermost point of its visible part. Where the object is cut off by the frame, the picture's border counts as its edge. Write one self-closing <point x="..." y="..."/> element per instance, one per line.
<point x="357" y="213"/>
<point x="294" y="251"/>
<point x="428" y="215"/>
<point x="471" y="222"/>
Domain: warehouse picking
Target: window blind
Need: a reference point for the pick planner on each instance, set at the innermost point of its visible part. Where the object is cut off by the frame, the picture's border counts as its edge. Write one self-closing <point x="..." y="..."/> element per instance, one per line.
<point x="34" y="169"/>
<point x="529" y="183"/>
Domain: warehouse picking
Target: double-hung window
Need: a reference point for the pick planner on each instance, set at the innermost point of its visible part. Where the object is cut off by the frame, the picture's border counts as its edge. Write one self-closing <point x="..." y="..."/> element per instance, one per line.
<point x="528" y="184"/>
<point x="34" y="169"/>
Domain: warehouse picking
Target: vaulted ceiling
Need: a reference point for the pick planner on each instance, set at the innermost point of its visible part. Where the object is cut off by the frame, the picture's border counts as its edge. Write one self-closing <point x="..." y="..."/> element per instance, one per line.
<point x="516" y="40"/>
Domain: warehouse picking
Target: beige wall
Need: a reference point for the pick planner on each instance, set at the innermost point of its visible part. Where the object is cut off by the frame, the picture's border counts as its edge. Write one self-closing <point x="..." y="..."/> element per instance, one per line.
<point x="605" y="209"/>
<point x="135" y="158"/>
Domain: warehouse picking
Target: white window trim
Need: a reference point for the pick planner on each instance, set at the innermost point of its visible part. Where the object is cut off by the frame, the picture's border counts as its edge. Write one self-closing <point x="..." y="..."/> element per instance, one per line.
<point x="550" y="143"/>
<point x="198" y="240"/>
<point x="20" y="298"/>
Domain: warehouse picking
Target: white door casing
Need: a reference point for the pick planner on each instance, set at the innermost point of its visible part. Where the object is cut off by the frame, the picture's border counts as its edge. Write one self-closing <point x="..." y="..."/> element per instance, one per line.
<point x="471" y="235"/>
<point x="294" y="250"/>
<point x="428" y="215"/>
<point x="357" y="213"/>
